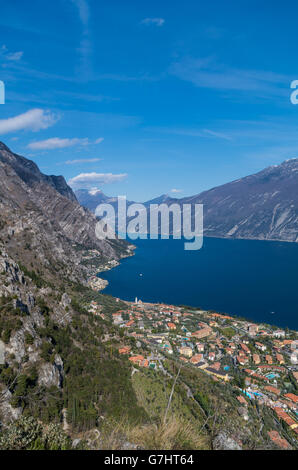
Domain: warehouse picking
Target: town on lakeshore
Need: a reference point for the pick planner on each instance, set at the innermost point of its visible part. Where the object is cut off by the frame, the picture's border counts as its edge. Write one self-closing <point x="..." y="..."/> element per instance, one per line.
<point x="224" y="347"/>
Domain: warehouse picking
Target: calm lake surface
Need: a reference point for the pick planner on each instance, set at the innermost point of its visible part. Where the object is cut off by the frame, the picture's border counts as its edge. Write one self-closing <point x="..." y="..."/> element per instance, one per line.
<point x="241" y="277"/>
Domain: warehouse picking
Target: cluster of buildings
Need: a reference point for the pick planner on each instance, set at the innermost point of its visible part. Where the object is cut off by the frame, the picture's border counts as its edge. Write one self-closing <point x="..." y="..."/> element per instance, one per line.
<point x="96" y="283"/>
<point x="222" y="347"/>
<point x="96" y="309"/>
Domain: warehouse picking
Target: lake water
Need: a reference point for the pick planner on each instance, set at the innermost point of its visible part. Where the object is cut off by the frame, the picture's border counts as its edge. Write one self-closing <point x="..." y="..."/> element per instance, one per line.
<point x="240" y="277"/>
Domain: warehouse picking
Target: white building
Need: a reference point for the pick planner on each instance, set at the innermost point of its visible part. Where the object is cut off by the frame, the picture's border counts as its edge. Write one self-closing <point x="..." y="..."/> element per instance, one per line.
<point x="279" y="334"/>
<point x="294" y="357"/>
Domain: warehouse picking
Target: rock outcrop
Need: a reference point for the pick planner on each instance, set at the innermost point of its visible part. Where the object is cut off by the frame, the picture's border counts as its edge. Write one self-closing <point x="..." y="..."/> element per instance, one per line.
<point x="51" y="374"/>
<point x="224" y="442"/>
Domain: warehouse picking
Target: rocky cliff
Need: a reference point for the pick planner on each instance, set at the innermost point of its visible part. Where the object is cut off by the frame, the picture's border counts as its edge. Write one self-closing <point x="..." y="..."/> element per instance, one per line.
<point x="41" y="214"/>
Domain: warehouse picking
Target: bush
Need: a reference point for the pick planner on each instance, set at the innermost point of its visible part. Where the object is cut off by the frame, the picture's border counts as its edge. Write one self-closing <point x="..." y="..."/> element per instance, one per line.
<point x="29" y="338"/>
<point x="54" y="438"/>
<point x="27" y="434"/>
<point x="21" y="435"/>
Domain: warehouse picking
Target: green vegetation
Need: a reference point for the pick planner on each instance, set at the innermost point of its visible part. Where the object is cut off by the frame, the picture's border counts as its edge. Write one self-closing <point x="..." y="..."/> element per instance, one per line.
<point x="228" y="332"/>
<point x="153" y="391"/>
<point x="35" y="277"/>
<point x="82" y="295"/>
<point x="97" y="383"/>
<point x="28" y="434"/>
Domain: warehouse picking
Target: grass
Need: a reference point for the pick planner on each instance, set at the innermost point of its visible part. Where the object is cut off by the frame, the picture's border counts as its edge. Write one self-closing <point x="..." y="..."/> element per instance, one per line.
<point x="175" y="434"/>
<point x="153" y="391"/>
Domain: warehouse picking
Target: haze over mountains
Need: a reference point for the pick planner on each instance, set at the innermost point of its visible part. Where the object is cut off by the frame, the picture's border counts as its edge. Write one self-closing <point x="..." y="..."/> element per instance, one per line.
<point x="261" y="206"/>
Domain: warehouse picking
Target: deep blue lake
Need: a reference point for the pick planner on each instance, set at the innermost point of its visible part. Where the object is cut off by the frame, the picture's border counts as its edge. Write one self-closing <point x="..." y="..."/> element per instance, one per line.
<point x="240" y="277"/>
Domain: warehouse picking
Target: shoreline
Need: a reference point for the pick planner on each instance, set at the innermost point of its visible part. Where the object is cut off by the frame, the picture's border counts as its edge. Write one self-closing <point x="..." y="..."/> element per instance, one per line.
<point x="106" y="283"/>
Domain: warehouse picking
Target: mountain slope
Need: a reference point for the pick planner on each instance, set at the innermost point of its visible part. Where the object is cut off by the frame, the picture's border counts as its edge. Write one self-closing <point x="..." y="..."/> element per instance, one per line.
<point x="42" y="212"/>
<point x="91" y="199"/>
<point x="261" y="206"/>
<point x="29" y="172"/>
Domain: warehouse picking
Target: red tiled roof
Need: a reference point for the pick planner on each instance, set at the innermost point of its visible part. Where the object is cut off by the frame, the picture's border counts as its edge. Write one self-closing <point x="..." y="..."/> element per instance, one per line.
<point x="124" y="350"/>
<point x="271" y="389"/>
<point x="278" y="440"/>
<point x="292" y="397"/>
<point x="196" y="358"/>
<point x="242" y="400"/>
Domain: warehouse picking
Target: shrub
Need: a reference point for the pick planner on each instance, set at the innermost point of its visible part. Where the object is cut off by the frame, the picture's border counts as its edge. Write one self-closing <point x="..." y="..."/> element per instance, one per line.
<point x="27" y="434"/>
<point x="21" y="435"/>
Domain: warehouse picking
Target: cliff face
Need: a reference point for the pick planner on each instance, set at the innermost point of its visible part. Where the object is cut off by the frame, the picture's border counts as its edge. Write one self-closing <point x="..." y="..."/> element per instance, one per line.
<point x="30" y="174"/>
<point x="42" y="212"/>
<point x="261" y="206"/>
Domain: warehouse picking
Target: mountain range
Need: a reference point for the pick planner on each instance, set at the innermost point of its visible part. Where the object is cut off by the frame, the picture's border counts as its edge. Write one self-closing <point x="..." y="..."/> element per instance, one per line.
<point x="261" y="206"/>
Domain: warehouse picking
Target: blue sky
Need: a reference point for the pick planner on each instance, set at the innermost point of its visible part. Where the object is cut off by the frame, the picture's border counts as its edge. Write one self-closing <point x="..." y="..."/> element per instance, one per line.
<point x="151" y="97"/>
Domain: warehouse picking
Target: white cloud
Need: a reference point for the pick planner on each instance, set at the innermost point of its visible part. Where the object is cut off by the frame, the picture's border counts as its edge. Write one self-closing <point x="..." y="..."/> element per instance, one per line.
<point x="174" y="190"/>
<point x="82" y="160"/>
<point x="58" y="143"/>
<point x="92" y="180"/>
<point x="94" y="191"/>
<point x="33" y="120"/>
<point x="153" y="21"/>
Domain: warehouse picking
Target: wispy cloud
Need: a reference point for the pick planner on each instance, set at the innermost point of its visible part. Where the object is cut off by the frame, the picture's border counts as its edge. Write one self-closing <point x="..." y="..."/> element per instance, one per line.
<point x="84" y="11"/>
<point x="92" y="180"/>
<point x="82" y="160"/>
<point x="192" y="132"/>
<point x="121" y="77"/>
<point x="207" y="73"/>
<point x="33" y="120"/>
<point x="270" y="131"/>
<point x="58" y="143"/>
<point x="219" y="135"/>
<point x="86" y="47"/>
<point x="15" y="56"/>
<point x="10" y="56"/>
<point x="153" y="21"/>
